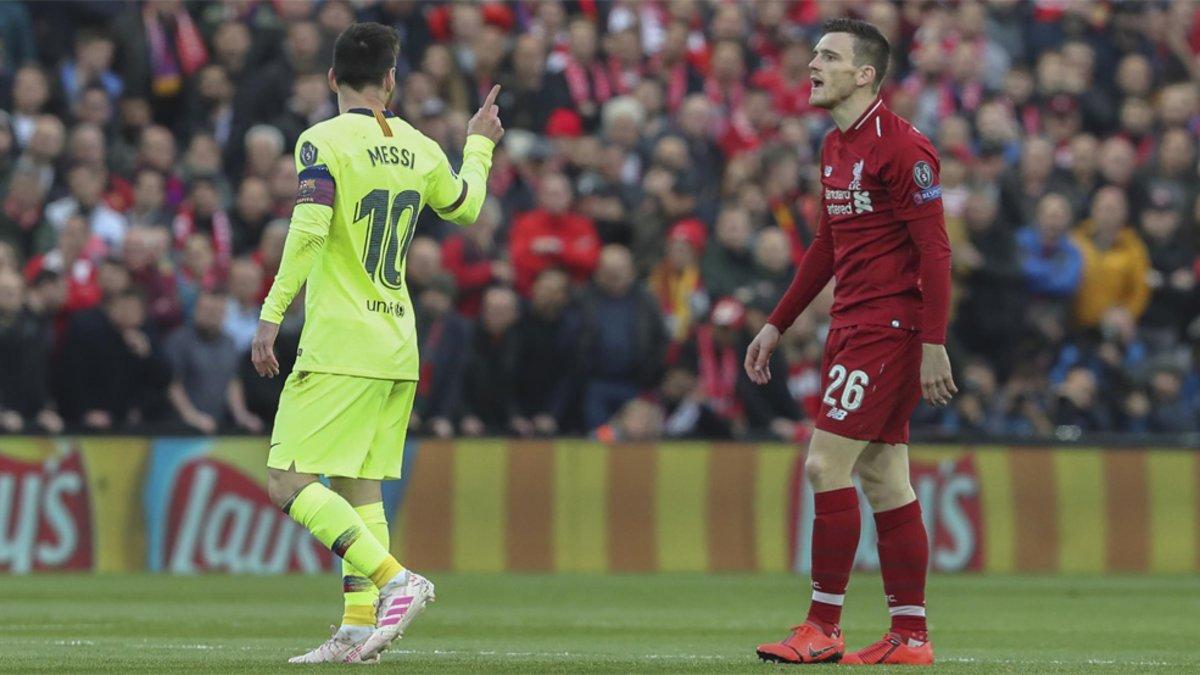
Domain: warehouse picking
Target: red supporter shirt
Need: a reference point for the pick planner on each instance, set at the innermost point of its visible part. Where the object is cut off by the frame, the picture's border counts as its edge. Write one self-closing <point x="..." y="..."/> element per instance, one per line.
<point x="578" y="246"/>
<point x="881" y="234"/>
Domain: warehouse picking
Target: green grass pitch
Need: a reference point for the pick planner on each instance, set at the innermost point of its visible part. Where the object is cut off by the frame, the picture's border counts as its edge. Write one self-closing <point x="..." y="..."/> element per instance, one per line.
<point x="533" y="623"/>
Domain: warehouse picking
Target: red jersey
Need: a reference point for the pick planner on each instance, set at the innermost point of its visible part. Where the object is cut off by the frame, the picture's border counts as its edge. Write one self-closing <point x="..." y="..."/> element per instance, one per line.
<point x="881" y="233"/>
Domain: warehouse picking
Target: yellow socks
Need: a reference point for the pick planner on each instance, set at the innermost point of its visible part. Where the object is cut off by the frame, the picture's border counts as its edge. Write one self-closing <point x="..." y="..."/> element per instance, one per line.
<point x="358" y="590"/>
<point x="337" y="525"/>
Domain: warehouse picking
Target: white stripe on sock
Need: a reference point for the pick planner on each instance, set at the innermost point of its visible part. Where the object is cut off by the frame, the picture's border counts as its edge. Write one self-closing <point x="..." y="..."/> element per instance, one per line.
<point x="829" y="598"/>
<point x="907" y="610"/>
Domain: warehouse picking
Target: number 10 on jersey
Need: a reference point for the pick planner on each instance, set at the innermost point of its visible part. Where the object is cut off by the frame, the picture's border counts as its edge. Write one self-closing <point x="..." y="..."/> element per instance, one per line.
<point x="386" y="246"/>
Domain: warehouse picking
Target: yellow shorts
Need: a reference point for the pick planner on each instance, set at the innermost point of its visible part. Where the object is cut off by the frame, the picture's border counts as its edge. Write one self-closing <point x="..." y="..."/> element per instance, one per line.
<point x="340" y="425"/>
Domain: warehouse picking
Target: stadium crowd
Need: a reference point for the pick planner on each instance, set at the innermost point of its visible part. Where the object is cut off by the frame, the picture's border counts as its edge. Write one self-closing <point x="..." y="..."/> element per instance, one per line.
<point x="654" y="192"/>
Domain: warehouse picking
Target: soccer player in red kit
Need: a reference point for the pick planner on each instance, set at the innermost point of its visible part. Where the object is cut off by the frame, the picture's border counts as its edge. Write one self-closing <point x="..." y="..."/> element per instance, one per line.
<point x="883" y="238"/>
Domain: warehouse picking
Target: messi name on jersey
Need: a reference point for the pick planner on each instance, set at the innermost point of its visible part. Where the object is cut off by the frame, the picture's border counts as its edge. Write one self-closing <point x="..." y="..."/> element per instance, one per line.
<point x="390" y="154"/>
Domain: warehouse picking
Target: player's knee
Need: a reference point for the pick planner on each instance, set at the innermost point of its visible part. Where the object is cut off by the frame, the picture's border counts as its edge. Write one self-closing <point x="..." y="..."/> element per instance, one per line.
<point x="885" y="490"/>
<point x="824" y="474"/>
<point x="283" y="485"/>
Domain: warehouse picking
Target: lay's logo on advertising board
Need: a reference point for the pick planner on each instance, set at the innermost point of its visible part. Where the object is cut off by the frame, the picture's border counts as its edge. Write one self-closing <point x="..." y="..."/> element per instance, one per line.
<point x="45" y="521"/>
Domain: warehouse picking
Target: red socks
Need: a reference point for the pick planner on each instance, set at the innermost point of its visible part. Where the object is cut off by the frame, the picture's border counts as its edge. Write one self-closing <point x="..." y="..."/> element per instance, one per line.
<point x="834" y="543"/>
<point x="904" y="561"/>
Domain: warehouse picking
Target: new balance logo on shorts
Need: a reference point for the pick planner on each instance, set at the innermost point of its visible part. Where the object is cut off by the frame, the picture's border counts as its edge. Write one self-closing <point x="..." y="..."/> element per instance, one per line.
<point x="836" y="413"/>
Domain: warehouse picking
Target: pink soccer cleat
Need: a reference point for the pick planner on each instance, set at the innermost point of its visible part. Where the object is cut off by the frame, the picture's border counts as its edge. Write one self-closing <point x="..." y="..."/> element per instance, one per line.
<point x="400" y="602"/>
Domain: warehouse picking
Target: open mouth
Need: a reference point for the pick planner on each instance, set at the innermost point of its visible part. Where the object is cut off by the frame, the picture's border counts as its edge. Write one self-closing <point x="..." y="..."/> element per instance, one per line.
<point x="817" y="82"/>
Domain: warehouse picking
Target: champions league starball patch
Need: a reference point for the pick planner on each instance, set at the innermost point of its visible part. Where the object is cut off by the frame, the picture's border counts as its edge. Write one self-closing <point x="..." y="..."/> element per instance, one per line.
<point x="923" y="174"/>
<point x="308" y="154"/>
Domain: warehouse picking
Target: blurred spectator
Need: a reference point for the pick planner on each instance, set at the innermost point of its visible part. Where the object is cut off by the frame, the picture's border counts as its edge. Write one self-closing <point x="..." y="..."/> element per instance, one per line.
<point x="159" y="46"/>
<point x="117" y="378"/>
<point x="471" y="256"/>
<point x="156" y="149"/>
<point x="1050" y="260"/>
<point x="149" y="200"/>
<point x="145" y="257"/>
<point x="676" y="283"/>
<point x="69" y="260"/>
<point x="251" y="213"/>
<point x="202" y="214"/>
<point x="92" y="63"/>
<point x="728" y="264"/>
<point x="243" y="304"/>
<point x="773" y="263"/>
<point x="1171" y="279"/>
<point x="1115" y="261"/>
<point x="491" y="369"/>
<point x="528" y="96"/>
<point x="30" y="94"/>
<point x="44" y="148"/>
<point x="552" y="236"/>
<point x="25" y="344"/>
<point x="1077" y="404"/>
<point x="623" y="342"/>
<point x="548" y="337"/>
<point x="687" y="414"/>
<point x="444" y="336"/>
<point x="990" y="274"/>
<point x="424" y="265"/>
<point x="197" y="273"/>
<point x="84" y="200"/>
<point x="204" y="364"/>
<point x="1169" y="410"/>
<point x="264" y="145"/>
<point x="637" y="421"/>
<point x="22" y="222"/>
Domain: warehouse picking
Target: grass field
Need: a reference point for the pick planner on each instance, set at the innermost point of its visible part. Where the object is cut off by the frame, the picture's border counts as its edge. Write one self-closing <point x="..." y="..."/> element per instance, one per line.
<point x="666" y="623"/>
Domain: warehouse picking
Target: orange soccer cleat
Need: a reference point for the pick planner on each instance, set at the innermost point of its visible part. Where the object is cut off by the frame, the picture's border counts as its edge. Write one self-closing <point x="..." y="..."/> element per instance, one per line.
<point x="892" y="650"/>
<point x="806" y="644"/>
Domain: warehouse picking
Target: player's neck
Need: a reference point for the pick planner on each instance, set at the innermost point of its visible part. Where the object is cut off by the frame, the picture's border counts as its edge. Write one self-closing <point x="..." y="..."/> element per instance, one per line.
<point x="848" y="111"/>
<point x="371" y="98"/>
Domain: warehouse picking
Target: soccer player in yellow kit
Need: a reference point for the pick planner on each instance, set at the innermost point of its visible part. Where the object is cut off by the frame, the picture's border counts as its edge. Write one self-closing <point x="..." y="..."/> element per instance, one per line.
<point x="363" y="178"/>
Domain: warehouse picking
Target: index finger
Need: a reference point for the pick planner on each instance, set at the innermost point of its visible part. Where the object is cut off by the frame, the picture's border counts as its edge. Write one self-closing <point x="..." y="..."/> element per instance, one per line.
<point x="491" y="97"/>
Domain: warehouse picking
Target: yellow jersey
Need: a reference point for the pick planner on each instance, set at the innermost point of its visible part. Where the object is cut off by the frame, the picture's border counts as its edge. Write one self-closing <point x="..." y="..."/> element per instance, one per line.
<point x="363" y="179"/>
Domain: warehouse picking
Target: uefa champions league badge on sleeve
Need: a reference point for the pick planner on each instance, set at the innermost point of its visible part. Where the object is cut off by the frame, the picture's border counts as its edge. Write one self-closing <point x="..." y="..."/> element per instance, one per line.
<point x="308" y="154"/>
<point x="923" y="177"/>
<point x="923" y="174"/>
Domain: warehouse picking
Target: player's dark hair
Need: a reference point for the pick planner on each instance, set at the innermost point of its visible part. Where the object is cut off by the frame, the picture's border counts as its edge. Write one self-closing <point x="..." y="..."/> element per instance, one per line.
<point x="870" y="46"/>
<point x="364" y="53"/>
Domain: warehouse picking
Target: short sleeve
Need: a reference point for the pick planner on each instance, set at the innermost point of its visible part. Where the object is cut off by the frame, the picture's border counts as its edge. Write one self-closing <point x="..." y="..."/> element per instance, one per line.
<point x="912" y="176"/>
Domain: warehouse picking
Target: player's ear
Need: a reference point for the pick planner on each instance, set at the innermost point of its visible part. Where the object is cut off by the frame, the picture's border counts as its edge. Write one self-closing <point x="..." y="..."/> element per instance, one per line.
<point x="389" y="82"/>
<point x="333" y="85"/>
<point x="865" y="76"/>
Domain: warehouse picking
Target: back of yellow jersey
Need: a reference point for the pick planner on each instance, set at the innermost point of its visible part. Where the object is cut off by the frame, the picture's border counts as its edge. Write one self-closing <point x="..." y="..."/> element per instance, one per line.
<point x="363" y="180"/>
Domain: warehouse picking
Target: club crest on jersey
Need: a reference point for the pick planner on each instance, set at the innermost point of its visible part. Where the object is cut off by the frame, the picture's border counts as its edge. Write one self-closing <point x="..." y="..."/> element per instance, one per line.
<point x="923" y="174"/>
<point x="308" y="154"/>
<point x="856" y="175"/>
<point x="828" y="171"/>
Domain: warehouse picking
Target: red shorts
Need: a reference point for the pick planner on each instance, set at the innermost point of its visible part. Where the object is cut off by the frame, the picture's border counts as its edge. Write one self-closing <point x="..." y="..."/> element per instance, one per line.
<point x="870" y="383"/>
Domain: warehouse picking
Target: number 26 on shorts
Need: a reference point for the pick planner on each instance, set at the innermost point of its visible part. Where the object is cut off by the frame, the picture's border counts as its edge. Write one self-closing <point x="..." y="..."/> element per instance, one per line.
<point x="852" y="393"/>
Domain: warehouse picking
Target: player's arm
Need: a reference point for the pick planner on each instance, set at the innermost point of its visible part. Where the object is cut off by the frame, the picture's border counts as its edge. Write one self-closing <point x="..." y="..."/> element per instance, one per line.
<point x="458" y="198"/>
<point x="912" y="179"/>
<point x="815" y="271"/>
<point x="311" y="218"/>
